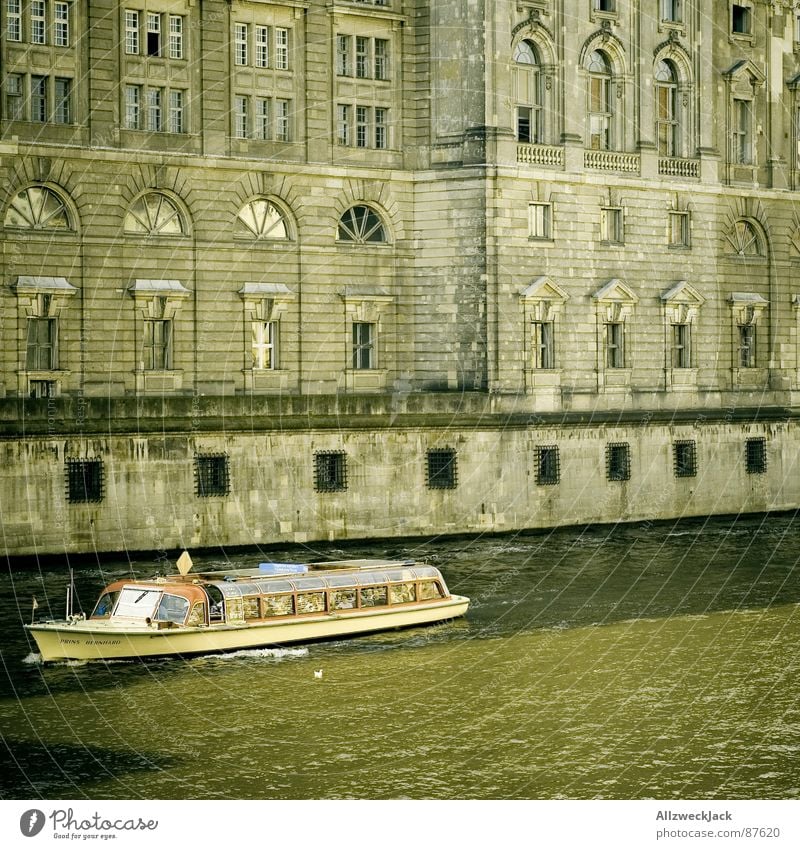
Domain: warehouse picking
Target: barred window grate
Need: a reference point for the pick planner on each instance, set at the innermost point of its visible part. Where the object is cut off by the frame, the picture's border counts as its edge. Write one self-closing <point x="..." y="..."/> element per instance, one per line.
<point x="684" y="454"/>
<point x="441" y="469"/>
<point x="330" y="471"/>
<point x="756" y="456"/>
<point x="548" y="466"/>
<point x="212" y="475"/>
<point x="618" y="461"/>
<point x="84" y="481"/>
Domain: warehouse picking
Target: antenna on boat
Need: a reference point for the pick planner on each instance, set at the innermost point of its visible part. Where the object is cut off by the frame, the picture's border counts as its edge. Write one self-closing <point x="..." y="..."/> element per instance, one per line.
<point x="70" y="592"/>
<point x="184" y="563"/>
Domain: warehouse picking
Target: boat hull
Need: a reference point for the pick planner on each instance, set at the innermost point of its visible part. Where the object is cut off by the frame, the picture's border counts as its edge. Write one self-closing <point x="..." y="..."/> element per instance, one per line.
<point x="89" y="640"/>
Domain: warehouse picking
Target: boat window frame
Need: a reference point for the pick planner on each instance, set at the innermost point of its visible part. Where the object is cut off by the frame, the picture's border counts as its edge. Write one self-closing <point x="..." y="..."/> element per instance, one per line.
<point x="165" y="595"/>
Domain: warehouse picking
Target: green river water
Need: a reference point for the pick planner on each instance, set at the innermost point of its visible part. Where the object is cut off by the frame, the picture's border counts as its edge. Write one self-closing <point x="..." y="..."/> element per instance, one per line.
<point x="637" y="662"/>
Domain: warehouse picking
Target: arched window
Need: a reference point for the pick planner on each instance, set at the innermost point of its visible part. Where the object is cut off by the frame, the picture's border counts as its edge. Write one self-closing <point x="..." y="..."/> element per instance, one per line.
<point x="261" y="219"/>
<point x="745" y="239"/>
<point x="38" y="208"/>
<point x="528" y="92"/>
<point x="600" y="102"/>
<point x="361" y="224"/>
<point x="667" y="130"/>
<point x="154" y="214"/>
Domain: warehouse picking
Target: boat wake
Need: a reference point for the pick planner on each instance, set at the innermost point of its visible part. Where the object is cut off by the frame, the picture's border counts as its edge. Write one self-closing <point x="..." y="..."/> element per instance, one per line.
<point x="33" y="659"/>
<point x="256" y="653"/>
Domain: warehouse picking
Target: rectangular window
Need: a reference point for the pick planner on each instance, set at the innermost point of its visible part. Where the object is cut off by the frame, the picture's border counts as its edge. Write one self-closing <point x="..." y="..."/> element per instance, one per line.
<point x="402" y="593"/>
<point x="742" y="132"/>
<point x="212" y="475"/>
<point x="524" y="124"/>
<point x="15" y="101"/>
<point x="373" y="596"/>
<point x="679" y="229"/>
<point x="672" y="10"/>
<point x="611" y="225"/>
<point x="362" y="57"/>
<point x="756" y="456"/>
<point x="39" y="111"/>
<point x="175" y="37"/>
<point x="542" y="345"/>
<point x="381" y="59"/>
<point x="14" y="20"/>
<point x="283" y="131"/>
<point x="281" y="48"/>
<point x="265" y="344"/>
<point x="740" y="19"/>
<point x="262" y="47"/>
<point x="133" y="107"/>
<point x="342" y="599"/>
<point x="343" y="124"/>
<point x="548" y="469"/>
<point x="153" y="34"/>
<point x="61" y="24"/>
<point x="363" y="345"/>
<point x="381" y="128"/>
<point x="747" y="346"/>
<point x="157" y="344"/>
<point x="84" y="480"/>
<point x="38" y="21"/>
<point x="681" y="346"/>
<point x="618" y="461"/>
<point x="343" y="55"/>
<point x="684" y="455"/>
<point x="615" y="344"/>
<point x="240" y="33"/>
<point x="155" y="103"/>
<point x="605" y="5"/>
<point x="62" y="114"/>
<point x="362" y="126"/>
<point x="539" y="221"/>
<point x="41" y="353"/>
<point x="311" y="602"/>
<point x="42" y="389"/>
<point x="330" y="471"/>
<point x="261" y="127"/>
<point x="240" y="117"/>
<point x="131" y="31"/>
<point x="441" y="471"/>
<point x="176" y="113"/>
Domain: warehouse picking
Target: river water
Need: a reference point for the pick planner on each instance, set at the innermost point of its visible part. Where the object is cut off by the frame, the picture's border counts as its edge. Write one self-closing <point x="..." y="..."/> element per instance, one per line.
<point x="636" y="662"/>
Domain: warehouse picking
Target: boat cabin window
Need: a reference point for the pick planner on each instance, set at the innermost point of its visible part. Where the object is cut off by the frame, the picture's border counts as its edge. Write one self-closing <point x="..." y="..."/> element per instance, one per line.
<point x="278" y="605"/>
<point x="198" y="614"/>
<point x="104" y="606"/>
<point x="429" y="589"/>
<point x="217" y="609"/>
<point x="373" y="596"/>
<point x="251" y="607"/>
<point x="343" y="599"/>
<point x="402" y="593"/>
<point x="173" y="608"/>
<point x="311" y="602"/>
<point x="137" y="603"/>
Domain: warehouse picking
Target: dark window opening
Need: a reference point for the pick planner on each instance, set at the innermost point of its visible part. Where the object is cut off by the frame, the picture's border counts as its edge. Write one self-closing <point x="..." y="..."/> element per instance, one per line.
<point x="685" y="458"/>
<point x="548" y="470"/>
<point x="756" y="456"/>
<point x="212" y="475"/>
<point x="740" y="19"/>
<point x="618" y="461"/>
<point x="441" y="469"/>
<point x="84" y="480"/>
<point x="330" y="471"/>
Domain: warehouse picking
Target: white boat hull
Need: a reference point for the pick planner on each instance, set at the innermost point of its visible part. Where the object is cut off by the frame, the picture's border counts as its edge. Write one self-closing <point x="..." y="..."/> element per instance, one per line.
<point x="103" y="640"/>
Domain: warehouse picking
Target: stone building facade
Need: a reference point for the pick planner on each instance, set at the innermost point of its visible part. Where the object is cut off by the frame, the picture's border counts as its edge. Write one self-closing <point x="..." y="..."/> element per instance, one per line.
<point x="317" y="269"/>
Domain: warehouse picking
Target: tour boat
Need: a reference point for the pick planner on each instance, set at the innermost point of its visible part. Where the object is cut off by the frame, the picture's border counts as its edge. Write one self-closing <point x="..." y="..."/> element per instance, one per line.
<point x="275" y="604"/>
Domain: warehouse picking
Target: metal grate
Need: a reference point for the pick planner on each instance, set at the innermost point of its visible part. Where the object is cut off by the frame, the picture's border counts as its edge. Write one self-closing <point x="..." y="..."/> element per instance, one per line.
<point x="684" y="455"/>
<point x="330" y="471"/>
<point x="618" y="461"/>
<point x="441" y="469"/>
<point x="212" y="475"/>
<point x="548" y="466"/>
<point x="84" y="480"/>
<point x="756" y="456"/>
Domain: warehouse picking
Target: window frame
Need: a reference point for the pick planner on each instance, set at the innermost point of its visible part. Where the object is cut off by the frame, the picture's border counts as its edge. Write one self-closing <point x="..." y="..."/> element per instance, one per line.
<point x="618" y="461"/>
<point x="441" y="468"/>
<point x="755" y="455"/>
<point x="84" y="480"/>
<point x="212" y="475"/>
<point x="330" y="471"/>
<point x="684" y="458"/>
<point x="548" y="465"/>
